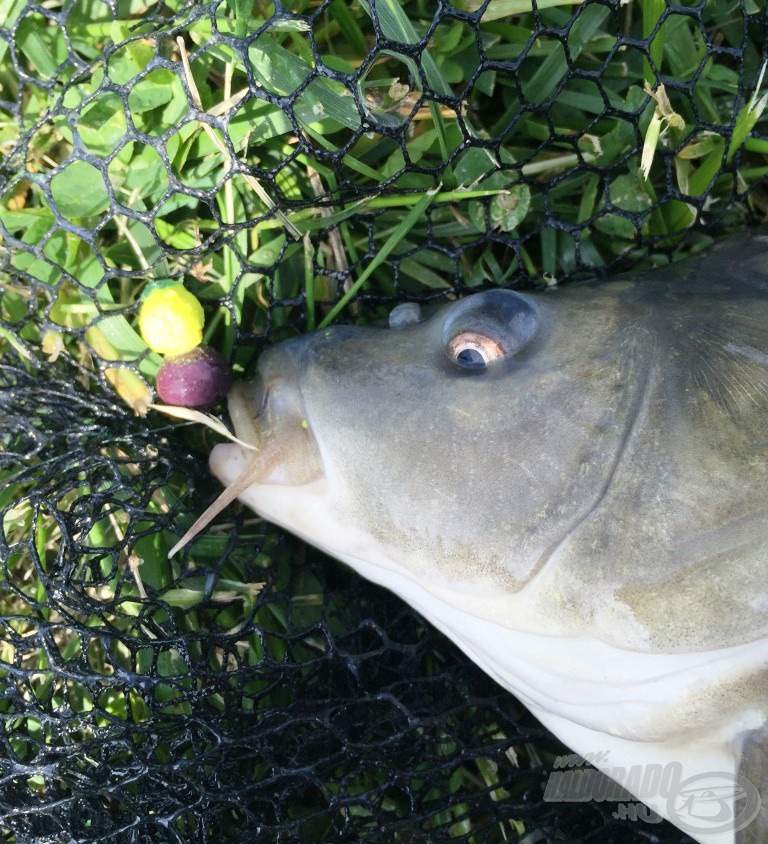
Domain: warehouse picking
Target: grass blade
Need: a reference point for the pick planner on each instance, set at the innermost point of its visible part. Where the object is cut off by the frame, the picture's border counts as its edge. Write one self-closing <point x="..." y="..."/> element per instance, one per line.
<point x="397" y="235"/>
<point x="748" y="116"/>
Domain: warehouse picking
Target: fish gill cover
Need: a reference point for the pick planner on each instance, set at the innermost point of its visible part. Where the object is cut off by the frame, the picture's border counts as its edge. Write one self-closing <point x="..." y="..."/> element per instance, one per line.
<point x="294" y="164"/>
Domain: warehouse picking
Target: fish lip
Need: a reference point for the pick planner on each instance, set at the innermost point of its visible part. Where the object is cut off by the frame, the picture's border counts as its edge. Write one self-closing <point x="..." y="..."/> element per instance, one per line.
<point x="246" y="403"/>
<point x="269" y="413"/>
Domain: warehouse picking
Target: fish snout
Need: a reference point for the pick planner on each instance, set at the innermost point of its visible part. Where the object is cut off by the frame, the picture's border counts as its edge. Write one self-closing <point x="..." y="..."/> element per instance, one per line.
<point x="268" y="413"/>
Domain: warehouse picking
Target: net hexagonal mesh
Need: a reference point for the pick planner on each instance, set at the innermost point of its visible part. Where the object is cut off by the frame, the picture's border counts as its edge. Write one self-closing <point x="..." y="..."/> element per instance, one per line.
<point x="342" y="156"/>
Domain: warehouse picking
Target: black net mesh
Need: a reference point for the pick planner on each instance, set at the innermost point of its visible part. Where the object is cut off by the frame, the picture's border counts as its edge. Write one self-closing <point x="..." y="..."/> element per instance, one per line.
<point x="252" y="690"/>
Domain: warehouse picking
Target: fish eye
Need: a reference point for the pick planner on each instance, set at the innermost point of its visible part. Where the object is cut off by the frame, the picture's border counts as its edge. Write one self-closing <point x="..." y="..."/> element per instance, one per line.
<point x="488" y="327"/>
<point x="472" y="350"/>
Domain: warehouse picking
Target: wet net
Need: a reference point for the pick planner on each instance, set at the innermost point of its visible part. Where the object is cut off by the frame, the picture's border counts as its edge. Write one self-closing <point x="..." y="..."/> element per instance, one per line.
<point x="314" y="161"/>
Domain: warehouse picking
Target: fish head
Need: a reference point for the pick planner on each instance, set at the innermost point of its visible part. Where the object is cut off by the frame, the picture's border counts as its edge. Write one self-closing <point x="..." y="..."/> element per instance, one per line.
<point x="461" y="447"/>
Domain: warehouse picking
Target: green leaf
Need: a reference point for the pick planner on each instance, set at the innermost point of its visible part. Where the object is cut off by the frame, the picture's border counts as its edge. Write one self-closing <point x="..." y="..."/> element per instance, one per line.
<point x="472" y="165"/>
<point x="396" y="25"/>
<point x="42" y="44"/>
<point x="555" y="67"/>
<point x="152" y="91"/>
<point x="497" y="9"/>
<point x="652" y="11"/>
<point x="32" y="223"/>
<point x="422" y="273"/>
<point x="282" y="72"/>
<point x="327" y="98"/>
<point x="277" y="69"/>
<point x="710" y="164"/>
<point x="79" y="191"/>
<point x="158" y="101"/>
<point x="507" y="210"/>
<point x="102" y="124"/>
<point x="9" y="12"/>
<point x="748" y="116"/>
<point x="131" y="58"/>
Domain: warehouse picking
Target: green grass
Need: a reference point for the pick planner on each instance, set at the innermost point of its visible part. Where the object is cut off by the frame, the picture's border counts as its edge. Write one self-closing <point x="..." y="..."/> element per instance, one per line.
<point x="239" y="257"/>
<point x="425" y="209"/>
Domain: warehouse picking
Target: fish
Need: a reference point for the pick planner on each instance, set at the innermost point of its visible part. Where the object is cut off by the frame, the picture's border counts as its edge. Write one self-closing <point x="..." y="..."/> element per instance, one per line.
<point x="572" y="485"/>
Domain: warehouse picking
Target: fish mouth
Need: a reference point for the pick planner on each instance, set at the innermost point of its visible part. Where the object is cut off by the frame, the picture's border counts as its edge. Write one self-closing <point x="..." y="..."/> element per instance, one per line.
<point x="269" y="414"/>
<point x="246" y="407"/>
